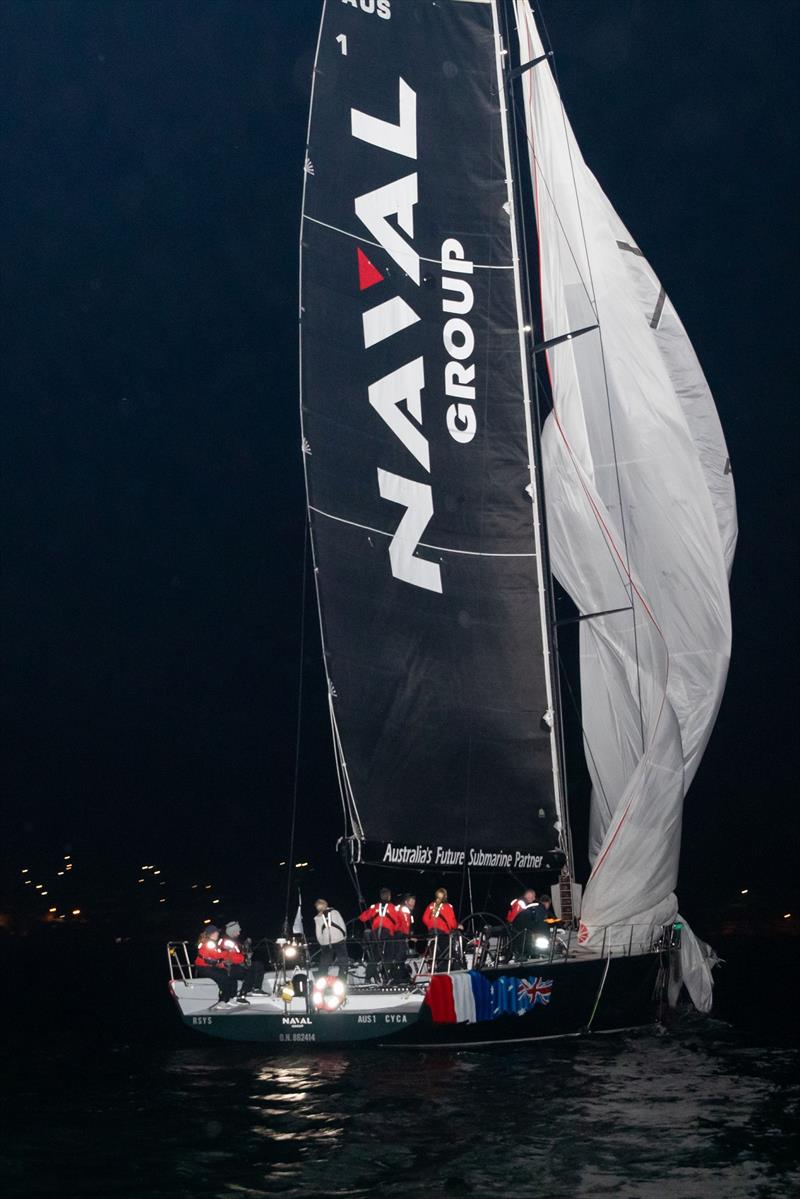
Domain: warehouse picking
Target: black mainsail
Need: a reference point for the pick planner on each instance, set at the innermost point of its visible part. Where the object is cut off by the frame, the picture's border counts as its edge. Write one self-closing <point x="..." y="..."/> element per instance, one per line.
<point x="418" y="443"/>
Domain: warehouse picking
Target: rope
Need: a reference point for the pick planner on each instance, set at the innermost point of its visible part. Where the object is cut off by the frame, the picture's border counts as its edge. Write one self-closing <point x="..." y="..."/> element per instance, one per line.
<point x="295" y="783"/>
<point x="599" y="993"/>
<point x="578" y="713"/>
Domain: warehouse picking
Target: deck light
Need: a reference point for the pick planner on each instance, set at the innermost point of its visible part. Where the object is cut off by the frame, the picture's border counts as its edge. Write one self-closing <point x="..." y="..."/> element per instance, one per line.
<point x="76" y="911"/>
<point x="541" y="942"/>
<point x="287" y="993"/>
<point x="290" y="952"/>
<point x="52" y="909"/>
<point x="787" y="915"/>
<point x="746" y="891"/>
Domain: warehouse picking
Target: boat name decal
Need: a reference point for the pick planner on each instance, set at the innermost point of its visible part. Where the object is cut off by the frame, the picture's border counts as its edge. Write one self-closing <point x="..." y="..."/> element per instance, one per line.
<point x="397" y="396"/>
<point x="296" y="1021"/>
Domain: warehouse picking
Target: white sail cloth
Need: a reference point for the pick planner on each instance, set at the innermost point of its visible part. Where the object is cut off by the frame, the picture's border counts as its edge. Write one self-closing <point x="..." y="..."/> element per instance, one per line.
<point x="641" y="516"/>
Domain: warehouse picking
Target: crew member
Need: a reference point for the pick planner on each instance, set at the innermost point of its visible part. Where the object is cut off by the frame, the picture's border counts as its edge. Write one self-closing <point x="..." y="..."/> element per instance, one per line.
<point x="518" y="906"/>
<point x="525" y="916"/>
<point x="405" y="919"/>
<point x="547" y="907"/>
<point x="332" y="938"/>
<point x="210" y="963"/>
<point x="440" y="920"/>
<point x="381" y="924"/>
<point x="239" y="969"/>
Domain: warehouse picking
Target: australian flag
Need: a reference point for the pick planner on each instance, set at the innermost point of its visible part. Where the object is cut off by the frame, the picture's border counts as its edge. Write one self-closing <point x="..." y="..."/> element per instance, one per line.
<point x="531" y="991"/>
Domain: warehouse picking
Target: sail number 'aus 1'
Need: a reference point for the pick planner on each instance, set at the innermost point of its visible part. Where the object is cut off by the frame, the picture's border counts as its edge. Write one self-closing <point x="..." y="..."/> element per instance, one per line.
<point x="405" y="385"/>
<point x="382" y="8"/>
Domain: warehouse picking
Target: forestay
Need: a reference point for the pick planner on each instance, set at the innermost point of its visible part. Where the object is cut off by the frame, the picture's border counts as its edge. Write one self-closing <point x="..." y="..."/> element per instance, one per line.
<point x="417" y="443"/>
<point x="641" y="516"/>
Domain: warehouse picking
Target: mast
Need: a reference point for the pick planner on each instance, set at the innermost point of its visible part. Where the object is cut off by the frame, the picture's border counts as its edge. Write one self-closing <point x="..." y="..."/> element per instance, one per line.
<point x="510" y="76"/>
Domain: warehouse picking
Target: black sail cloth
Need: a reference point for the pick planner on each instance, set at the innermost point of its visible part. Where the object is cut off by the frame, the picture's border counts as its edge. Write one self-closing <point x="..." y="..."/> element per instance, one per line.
<point x="415" y="443"/>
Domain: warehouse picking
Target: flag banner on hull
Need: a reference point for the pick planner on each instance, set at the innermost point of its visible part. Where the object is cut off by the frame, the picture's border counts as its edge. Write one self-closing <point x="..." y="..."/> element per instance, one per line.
<point x="416" y="436"/>
<point x="470" y="997"/>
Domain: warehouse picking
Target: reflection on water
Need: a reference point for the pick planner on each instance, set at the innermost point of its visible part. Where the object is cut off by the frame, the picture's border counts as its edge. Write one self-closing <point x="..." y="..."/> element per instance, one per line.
<point x="620" y="1116"/>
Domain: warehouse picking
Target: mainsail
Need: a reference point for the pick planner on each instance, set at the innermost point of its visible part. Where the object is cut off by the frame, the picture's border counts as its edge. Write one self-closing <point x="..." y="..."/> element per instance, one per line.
<point x="418" y="444"/>
<point x="641" y="517"/>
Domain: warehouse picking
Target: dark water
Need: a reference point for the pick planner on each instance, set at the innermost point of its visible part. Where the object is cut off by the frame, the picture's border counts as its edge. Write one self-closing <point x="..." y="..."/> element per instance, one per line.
<point x="111" y="1105"/>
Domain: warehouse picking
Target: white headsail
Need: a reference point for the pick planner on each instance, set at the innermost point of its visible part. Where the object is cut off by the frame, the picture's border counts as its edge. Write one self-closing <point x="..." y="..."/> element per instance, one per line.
<point x="642" y="517"/>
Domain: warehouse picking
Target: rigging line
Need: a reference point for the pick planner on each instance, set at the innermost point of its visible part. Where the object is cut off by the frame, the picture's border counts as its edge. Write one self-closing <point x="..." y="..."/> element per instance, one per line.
<point x="524" y="125"/>
<point x="511" y="149"/>
<point x="478" y="266"/>
<point x="624" y="578"/>
<point x="423" y="545"/>
<point x="551" y="197"/>
<point x="603" y="360"/>
<point x="599" y="993"/>
<point x="579" y="715"/>
<point x="295" y="783"/>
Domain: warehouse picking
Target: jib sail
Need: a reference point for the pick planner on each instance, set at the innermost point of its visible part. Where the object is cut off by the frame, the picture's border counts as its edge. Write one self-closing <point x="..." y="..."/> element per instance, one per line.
<point x="642" y="520"/>
<point x="418" y="446"/>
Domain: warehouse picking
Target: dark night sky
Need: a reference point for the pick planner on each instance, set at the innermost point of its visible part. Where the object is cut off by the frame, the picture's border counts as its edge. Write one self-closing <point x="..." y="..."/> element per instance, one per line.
<point x="152" y="483"/>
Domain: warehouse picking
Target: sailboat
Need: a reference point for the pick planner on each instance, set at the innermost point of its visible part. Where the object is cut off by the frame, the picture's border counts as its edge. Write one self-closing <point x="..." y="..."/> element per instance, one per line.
<point x="497" y="398"/>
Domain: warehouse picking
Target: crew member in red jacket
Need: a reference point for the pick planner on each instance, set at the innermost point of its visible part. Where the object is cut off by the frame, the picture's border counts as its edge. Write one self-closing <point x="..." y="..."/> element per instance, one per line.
<point x="440" y="920"/>
<point x="525" y="915"/>
<point x="405" y="929"/>
<point x="527" y="900"/>
<point x="381" y="924"/>
<point x="236" y="954"/>
<point x="211" y="963"/>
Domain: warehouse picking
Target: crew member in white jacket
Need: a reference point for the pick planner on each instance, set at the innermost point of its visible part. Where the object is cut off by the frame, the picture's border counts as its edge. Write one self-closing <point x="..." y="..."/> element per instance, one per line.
<point x="332" y="937"/>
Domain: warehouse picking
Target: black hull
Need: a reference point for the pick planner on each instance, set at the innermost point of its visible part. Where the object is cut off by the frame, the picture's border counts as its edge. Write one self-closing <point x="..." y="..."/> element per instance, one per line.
<point x="591" y="996"/>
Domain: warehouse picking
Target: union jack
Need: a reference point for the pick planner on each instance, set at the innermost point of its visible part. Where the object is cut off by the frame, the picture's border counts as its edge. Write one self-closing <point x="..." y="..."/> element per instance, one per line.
<point x="531" y="991"/>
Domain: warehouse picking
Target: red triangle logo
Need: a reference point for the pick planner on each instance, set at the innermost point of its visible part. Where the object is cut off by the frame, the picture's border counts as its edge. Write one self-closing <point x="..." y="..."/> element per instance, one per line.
<point x="368" y="274"/>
